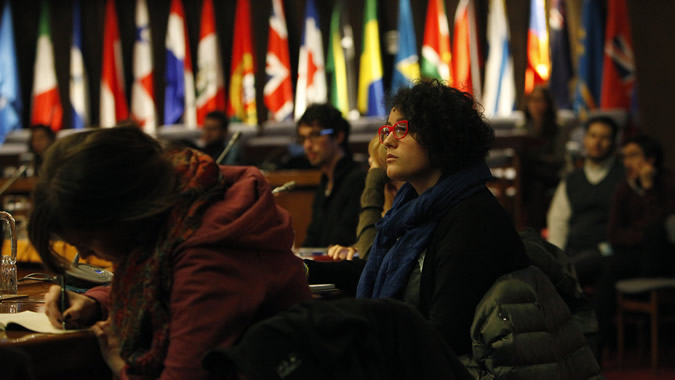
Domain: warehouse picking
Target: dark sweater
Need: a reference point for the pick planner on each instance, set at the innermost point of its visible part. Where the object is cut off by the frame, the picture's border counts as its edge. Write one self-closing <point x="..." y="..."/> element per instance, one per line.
<point x="590" y="204"/>
<point x="334" y="217"/>
<point x="473" y="245"/>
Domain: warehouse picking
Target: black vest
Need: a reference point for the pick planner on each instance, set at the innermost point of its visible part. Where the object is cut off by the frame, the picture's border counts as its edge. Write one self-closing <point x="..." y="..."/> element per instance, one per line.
<point x="590" y="206"/>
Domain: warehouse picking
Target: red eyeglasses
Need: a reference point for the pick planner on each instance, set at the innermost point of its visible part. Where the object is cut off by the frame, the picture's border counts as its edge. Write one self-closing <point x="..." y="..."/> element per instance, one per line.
<point x="400" y="130"/>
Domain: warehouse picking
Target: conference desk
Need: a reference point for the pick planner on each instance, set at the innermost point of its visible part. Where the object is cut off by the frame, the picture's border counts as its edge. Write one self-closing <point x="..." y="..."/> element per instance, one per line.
<point x="69" y="356"/>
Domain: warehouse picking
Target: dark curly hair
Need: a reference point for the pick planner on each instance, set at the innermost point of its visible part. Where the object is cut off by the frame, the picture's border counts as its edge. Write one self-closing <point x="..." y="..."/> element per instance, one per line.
<point x="446" y="122"/>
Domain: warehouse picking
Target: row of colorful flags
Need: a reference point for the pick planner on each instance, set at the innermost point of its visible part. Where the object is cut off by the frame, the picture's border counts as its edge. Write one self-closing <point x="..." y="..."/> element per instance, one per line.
<point x="605" y="67"/>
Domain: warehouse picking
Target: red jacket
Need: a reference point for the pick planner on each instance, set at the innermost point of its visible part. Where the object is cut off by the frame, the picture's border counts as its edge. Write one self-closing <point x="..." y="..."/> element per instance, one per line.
<point x="235" y="270"/>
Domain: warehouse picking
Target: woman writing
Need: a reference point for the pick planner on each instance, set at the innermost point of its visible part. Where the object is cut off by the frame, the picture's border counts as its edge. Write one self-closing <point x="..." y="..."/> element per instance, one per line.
<point x="445" y="239"/>
<point x="200" y="251"/>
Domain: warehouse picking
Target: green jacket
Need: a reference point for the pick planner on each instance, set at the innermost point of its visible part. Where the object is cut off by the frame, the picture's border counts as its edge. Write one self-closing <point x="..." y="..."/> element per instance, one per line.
<point x="523" y="329"/>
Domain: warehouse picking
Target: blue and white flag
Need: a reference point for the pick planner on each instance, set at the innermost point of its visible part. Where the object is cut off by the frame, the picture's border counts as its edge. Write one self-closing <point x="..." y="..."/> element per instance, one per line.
<point x="79" y="96"/>
<point x="589" y="82"/>
<point x="406" y="63"/>
<point x="499" y="96"/>
<point x="10" y="94"/>
<point x="180" y="98"/>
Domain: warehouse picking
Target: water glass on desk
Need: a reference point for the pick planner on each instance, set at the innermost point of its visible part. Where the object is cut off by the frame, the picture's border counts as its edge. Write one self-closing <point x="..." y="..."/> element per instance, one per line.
<point x="8" y="282"/>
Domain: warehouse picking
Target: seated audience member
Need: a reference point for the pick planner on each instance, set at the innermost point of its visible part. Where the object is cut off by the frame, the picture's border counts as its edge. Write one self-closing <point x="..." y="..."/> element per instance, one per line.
<point x="446" y="239"/>
<point x="41" y="137"/>
<point x="579" y="213"/>
<point x="638" y="218"/>
<point x="200" y="251"/>
<point x="214" y="138"/>
<point x="376" y="199"/>
<point x="543" y="155"/>
<point x="324" y="135"/>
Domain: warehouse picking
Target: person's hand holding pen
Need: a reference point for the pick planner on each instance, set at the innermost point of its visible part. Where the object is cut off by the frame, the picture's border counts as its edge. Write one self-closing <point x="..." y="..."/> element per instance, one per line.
<point x="80" y="311"/>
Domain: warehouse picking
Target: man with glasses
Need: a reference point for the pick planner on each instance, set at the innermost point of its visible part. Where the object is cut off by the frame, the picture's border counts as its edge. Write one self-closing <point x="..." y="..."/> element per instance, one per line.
<point x="324" y="135"/>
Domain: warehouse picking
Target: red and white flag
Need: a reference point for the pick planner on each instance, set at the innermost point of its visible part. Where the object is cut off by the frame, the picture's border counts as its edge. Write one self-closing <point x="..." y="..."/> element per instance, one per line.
<point x="113" y="100"/>
<point x="210" y="80"/>
<point x="143" y="109"/>
<point x="278" y="89"/>
<point x="47" y="109"/>
<point x="465" y="51"/>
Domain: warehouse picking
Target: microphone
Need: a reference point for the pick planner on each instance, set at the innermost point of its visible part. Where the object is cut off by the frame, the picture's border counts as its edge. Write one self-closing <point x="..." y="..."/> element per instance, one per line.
<point x="288" y="186"/>
<point x="229" y="146"/>
<point x="18" y="173"/>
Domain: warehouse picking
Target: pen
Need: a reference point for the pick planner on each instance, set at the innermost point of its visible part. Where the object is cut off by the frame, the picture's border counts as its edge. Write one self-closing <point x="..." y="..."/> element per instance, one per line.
<point x="63" y="300"/>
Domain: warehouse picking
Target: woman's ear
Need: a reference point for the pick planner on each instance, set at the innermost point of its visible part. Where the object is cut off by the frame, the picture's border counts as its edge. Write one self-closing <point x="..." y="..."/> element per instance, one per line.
<point x="339" y="137"/>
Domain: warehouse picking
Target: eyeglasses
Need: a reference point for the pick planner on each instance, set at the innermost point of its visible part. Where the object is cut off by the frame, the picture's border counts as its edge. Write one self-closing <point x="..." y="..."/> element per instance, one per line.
<point x="400" y="130"/>
<point x="314" y="136"/>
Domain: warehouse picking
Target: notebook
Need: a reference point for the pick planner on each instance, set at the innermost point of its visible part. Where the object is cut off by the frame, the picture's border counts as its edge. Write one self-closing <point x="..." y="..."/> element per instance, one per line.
<point x="30" y="320"/>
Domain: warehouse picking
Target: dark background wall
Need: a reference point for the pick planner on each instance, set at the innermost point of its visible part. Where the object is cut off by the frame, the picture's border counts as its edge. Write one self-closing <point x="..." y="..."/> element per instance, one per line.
<point x="652" y="28"/>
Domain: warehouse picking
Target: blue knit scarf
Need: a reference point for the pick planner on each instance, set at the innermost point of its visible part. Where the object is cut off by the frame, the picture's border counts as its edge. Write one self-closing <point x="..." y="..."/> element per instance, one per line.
<point x="404" y="232"/>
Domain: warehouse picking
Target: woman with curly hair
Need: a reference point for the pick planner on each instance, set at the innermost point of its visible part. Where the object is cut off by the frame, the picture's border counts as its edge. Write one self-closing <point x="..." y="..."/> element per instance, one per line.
<point x="445" y="239"/>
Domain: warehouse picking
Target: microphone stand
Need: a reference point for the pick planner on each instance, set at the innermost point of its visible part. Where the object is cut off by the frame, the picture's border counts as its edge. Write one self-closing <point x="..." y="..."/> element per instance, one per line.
<point x="8" y="183"/>
<point x="229" y="146"/>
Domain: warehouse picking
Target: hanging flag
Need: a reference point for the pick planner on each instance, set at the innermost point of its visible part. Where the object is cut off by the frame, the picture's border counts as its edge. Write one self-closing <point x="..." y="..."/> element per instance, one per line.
<point x="499" y="97"/>
<point x="113" y="99"/>
<point x="79" y="94"/>
<point x="179" y="95"/>
<point x="618" y="72"/>
<point x="406" y="63"/>
<point x="592" y="41"/>
<point x="10" y="93"/>
<point x="538" y="64"/>
<point x="311" y="85"/>
<point x="47" y="108"/>
<point x="465" y="54"/>
<point x="242" y="105"/>
<point x="210" y="81"/>
<point x="340" y="65"/>
<point x="561" y="64"/>
<point x="143" y="109"/>
<point x="371" y="89"/>
<point x="278" y="89"/>
<point x="436" y="47"/>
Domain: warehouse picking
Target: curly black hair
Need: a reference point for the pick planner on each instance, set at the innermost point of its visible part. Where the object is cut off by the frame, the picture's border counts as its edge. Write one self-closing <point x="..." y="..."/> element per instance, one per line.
<point x="446" y="122"/>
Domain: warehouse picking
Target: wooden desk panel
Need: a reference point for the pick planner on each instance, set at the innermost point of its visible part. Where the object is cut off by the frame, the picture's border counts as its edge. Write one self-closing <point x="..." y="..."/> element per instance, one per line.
<point x="298" y="202"/>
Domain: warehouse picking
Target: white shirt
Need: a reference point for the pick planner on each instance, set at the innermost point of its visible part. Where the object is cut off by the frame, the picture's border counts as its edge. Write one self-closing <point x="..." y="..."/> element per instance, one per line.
<point x="560" y="211"/>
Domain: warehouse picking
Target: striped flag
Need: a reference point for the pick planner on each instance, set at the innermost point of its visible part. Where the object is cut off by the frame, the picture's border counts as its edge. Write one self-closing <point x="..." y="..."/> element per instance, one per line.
<point x="465" y="51"/>
<point x="10" y="91"/>
<point x="210" y="80"/>
<point x="113" y="99"/>
<point x="589" y="81"/>
<point x="406" y="63"/>
<point x="561" y="64"/>
<point x="618" y="73"/>
<point x="143" y="109"/>
<point x="371" y="89"/>
<point x="340" y="65"/>
<point x="311" y="85"/>
<point x="46" y="105"/>
<point x="436" y="47"/>
<point x="179" y="95"/>
<point x="242" y="105"/>
<point x="79" y="94"/>
<point x="499" y="96"/>
<point x="278" y="88"/>
<point x="538" y="63"/>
